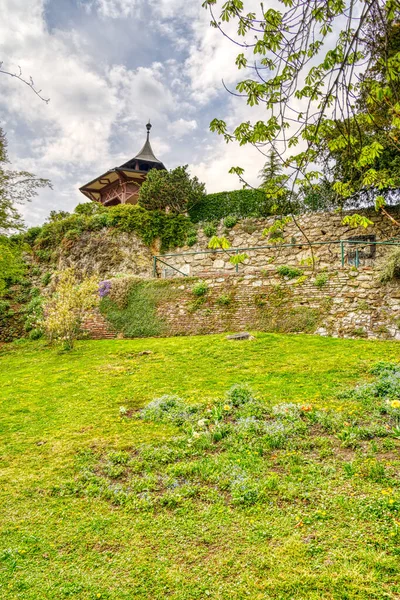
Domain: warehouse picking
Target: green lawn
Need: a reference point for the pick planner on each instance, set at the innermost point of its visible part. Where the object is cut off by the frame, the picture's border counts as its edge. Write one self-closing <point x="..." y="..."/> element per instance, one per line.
<point x="95" y="505"/>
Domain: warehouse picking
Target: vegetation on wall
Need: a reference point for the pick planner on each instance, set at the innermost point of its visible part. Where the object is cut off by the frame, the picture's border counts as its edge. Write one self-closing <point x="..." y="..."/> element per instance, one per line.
<point x="172" y="229"/>
<point x="389" y="267"/>
<point x="130" y="305"/>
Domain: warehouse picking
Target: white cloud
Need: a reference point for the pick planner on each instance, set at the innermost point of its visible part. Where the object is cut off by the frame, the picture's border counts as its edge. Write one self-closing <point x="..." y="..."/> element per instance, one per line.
<point x="114" y="9"/>
<point x="98" y="108"/>
<point x="182" y="127"/>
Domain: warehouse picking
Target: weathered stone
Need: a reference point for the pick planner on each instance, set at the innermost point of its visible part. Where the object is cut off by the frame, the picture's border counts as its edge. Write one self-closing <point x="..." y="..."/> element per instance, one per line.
<point x="240" y="336"/>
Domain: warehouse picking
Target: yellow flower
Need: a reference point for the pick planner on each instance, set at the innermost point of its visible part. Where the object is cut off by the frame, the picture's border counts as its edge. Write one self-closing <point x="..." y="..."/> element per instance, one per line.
<point x="227" y="407"/>
<point x="395" y="404"/>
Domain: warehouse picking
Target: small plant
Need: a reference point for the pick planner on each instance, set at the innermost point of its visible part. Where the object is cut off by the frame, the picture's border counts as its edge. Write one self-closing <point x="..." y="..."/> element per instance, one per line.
<point x="230" y="221"/>
<point x="321" y="280"/>
<point x="200" y="289"/>
<point x="302" y="279"/>
<point x="224" y="300"/>
<point x="289" y="272"/>
<point x="46" y="279"/>
<point x="123" y="411"/>
<point x="239" y="394"/>
<point x="209" y="230"/>
<point x="191" y="239"/>
<point x="35" y="334"/>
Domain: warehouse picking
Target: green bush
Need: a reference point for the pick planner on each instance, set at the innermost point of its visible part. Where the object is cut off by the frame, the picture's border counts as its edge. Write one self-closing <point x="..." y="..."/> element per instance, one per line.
<point x="98" y="221"/>
<point x="35" y="334"/>
<point x="200" y="289"/>
<point x="31" y="234"/>
<point x="230" y="221"/>
<point x="209" y="229"/>
<point x="90" y="208"/>
<point x="224" y="300"/>
<point x="290" y="272"/>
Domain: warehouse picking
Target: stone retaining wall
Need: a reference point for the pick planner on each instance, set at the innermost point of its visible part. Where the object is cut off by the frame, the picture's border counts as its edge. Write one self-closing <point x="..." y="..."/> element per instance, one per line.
<point x="316" y="228"/>
<point x="349" y="304"/>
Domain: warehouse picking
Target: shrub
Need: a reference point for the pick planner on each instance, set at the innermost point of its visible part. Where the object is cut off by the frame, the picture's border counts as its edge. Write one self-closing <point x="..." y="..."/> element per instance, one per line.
<point x="191" y="239"/>
<point x="171" y="229"/>
<point x="224" y="300"/>
<point x="31" y="234"/>
<point x="35" y="334"/>
<point x="90" y="208"/>
<point x="290" y="272"/>
<point x="230" y="221"/>
<point x="239" y="394"/>
<point x="12" y="266"/>
<point x="67" y="306"/>
<point x="4" y="308"/>
<point x="209" y="230"/>
<point x="200" y="289"/>
<point x="98" y="221"/>
<point x="34" y="314"/>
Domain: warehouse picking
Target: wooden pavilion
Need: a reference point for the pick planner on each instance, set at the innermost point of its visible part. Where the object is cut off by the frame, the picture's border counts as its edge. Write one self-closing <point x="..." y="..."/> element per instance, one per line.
<point x="121" y="185"/>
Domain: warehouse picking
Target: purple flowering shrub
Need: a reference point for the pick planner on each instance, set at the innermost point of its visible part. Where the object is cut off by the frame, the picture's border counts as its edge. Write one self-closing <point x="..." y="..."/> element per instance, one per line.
<point x="104" y="288"/>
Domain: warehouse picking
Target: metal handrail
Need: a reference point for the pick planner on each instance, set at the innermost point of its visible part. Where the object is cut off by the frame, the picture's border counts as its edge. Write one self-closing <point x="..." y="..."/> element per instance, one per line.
<point x="341" y="243"/>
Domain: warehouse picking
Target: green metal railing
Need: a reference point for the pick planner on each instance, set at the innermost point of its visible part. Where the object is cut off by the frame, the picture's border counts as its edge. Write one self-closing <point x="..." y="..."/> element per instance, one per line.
<point x="341" y="243"/>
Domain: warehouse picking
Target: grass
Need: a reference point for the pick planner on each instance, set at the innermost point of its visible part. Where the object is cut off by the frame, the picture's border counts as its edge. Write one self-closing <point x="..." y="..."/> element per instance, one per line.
<point x="95" y="505"/>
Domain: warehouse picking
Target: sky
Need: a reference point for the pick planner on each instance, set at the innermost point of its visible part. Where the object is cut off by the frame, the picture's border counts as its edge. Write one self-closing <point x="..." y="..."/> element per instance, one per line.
<point x="108" y="66"/>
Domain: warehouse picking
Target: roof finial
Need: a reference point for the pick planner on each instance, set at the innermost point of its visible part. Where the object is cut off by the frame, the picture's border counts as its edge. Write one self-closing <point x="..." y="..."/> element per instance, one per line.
<point x="148" y="127"/>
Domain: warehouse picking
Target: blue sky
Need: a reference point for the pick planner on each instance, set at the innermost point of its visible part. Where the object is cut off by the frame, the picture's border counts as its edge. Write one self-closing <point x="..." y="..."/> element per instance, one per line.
<point x="107" y="67"/>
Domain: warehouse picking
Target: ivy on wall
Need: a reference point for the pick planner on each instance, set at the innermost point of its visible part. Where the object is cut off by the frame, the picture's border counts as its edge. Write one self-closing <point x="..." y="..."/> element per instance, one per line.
<point x="130" y="305"/>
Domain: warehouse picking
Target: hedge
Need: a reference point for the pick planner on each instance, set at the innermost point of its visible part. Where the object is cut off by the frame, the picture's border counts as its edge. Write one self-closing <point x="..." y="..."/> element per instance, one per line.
<point x="241" y="203"/>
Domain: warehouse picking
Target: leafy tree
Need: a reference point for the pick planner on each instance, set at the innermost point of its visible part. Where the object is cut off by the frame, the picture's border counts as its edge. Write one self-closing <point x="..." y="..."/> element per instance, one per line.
<point x="16" y="187"/>
<point x="172" y="191"/>
<point x="271" y="169"/>
<point x="313" y="93"/>
<point x="278" y="197"/>
<point x="58" y="215"/>
<point x="65" y="309"/>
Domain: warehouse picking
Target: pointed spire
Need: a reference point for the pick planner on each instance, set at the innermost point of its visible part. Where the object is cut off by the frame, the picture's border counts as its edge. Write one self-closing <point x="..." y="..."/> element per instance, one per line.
<point x="146" y="152"/>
